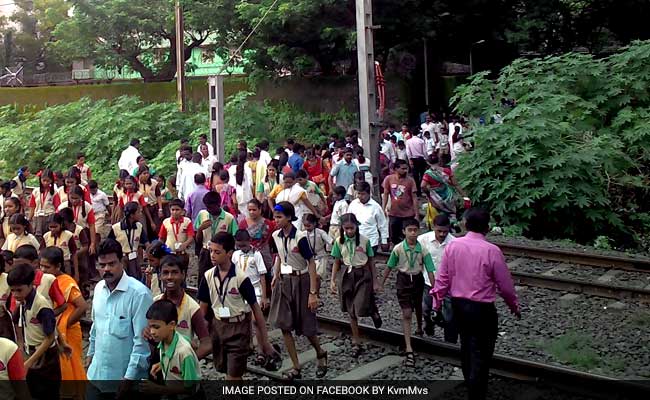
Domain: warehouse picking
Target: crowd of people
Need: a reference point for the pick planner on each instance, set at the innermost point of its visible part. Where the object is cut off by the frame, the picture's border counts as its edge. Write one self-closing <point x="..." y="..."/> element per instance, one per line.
<point x="263" y="231"/>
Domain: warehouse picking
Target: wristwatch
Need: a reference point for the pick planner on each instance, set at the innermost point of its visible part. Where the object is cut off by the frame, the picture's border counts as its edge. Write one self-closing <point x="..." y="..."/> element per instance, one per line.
<point x="313" y="292"/>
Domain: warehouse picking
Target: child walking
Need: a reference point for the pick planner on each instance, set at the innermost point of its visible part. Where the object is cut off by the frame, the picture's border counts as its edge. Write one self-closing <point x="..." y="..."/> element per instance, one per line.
<point x="132" y="236"/>
<point x="178" y="364"/>
<point x="227" y="298"/>
<point x="35" y="325"/>
<point x="318" y="240"/>
<point x="339" y="208"/>
<point x="410" y="258"/>
<point x="357" y="282"/>
<point x="68" y="326"/>
<point x="176" y="231"/>
<point x="19" y="235"/>
<point x="62" y="238"/>
<point x="11" y="206"/>
<point x="41" y="203"/>
<point x="295" y="289"/>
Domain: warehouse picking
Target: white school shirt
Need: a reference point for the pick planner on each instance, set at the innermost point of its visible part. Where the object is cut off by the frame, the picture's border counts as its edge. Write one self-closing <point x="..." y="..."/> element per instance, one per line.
<point x="198" y="149"/>
<point x="252" y="264"/>
<point x="265" y="157"/>
<point x="372" y="220"/>
<point x="100" y="201"/>
<point x="339" y="208"/>
<point x="388" y="150"/>
<point x="435" y="248"/>
<point x="318" y="240"/>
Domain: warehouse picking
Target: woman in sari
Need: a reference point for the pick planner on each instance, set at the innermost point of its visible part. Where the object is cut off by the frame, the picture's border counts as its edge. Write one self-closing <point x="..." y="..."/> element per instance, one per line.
<point x="440" y="185"/>
<point x="68" y="326"/>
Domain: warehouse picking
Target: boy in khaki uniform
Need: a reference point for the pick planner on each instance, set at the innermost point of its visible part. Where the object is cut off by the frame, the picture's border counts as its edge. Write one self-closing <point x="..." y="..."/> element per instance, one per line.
<point x="410" y="258"/>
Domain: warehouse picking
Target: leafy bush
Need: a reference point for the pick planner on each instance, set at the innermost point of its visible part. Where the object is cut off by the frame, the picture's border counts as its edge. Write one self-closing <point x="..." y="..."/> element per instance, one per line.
<point x="571" y="157"/>
<point x="102" y="129"/>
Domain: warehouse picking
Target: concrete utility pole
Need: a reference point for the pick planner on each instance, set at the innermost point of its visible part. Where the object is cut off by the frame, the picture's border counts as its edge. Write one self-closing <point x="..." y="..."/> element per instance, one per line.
<point x="367" y="96"/>
<point x="180" y="56"/>
<point x="216" y="102"/>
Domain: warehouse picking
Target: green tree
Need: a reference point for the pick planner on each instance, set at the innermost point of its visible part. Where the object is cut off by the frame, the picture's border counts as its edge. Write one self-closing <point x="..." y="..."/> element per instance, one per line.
<point x="572" y="156"/>
<point x="139" y="35"/>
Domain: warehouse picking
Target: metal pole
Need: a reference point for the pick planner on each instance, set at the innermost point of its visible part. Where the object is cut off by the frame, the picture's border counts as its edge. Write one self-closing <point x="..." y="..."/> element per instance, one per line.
<point x="216" y="102"/>
<point x="367" y="96"/>
<point x="426" y="75"/>
<point x="180" y="56"/>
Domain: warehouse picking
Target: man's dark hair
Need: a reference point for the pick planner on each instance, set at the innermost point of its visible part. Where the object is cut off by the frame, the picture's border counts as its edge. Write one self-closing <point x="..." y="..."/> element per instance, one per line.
<point x="22" y="274"/>
<point x="362" y="187"/>
<point x="27" y="251"/>
<point x="163" y="310"/>
<point x="242" y="235"/>
<point x="203" y="136"/>
<point x="196" y="158"/>
<point x="290" y="141"/>
<point x="212" y="199"/>
<point x="399" y="162"/>
<point x="199" y="178"/>
<point x="135" y="142"/>
<point x="79" y="155"/>
<point x="340" y="190"/>
<point x="109" y="246"/>
<point x="302" y="174"/>
<point x="477" y="219"/>
<point x="92" y="184"/>
<point x="410" y="222"/>
<point x="225" y="239"/>
<point x="348" y="150"/>
<point x="177" y="202"/>
<point x="441" y="220"/>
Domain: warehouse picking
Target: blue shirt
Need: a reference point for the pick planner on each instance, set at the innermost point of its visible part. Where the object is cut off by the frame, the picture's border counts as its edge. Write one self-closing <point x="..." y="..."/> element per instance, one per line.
<point x="116" y="343"/>
<point x="194" y="202"/>
<point x="344" y="173"/>
<point x="295" y="162"/>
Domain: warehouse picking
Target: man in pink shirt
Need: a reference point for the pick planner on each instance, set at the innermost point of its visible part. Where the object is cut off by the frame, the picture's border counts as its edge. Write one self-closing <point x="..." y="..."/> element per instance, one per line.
<point x="416" y="151"/>
<point x="471" y="272"/>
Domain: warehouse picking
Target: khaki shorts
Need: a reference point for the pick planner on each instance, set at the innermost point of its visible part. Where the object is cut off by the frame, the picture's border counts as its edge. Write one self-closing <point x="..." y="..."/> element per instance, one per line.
<point x="231" y="345"/>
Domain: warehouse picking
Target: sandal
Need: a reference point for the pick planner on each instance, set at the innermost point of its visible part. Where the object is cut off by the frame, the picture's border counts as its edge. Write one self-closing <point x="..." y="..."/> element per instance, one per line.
<point x="321" y="371"/>
<point x="409" y="361"/>
<point x="292" y="374"/>
<point x="357" y="350"/>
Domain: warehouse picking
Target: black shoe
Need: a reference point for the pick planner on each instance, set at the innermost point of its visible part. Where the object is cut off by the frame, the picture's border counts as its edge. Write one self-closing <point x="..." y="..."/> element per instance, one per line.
<point x="376" y="319"/>
<point x="429" y="328"/>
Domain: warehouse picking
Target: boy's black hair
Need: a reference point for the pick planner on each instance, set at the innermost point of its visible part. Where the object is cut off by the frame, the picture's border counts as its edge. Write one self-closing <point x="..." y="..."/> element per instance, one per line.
<point x="311" y="219"/>
<point x="398" y="163"/>
<point x="163" y="310"/>
<point x="340" y="191"/>
<point x="130" y="208"/>
<point x="177" y="202"/>
<point x="173" y="259"/>
<point x="477" y="219"/>
<point x="92" y="184"/>
<point x="410" y="222"/>
<point x="27" y="252"/>
<point x="22" y="274"/>
<point x="348" y="150"/>
<point x="441" y="220"/>
<point x="212" y="199"/>
<point x="242" y="235"/>
<point x="400" y="143"/>
<point x="79" y="155"/>
<point x="225" y="240"/>
<point x="302" y="174"/>
<point x="7" y="257"/>
<point x="110" y="246"/>
<point x="199" y="178"/>
<point x="67" y="214"/>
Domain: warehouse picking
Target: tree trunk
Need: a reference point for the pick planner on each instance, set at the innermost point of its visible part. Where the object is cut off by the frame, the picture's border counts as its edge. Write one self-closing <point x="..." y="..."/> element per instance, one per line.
<point x="168" y="71"/>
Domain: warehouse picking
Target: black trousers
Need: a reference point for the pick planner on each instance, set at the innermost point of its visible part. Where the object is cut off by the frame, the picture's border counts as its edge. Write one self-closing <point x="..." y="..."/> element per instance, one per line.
<point x="477" y="325"/>
<point x="395" y="228"/>
<point x="419" y="168"/>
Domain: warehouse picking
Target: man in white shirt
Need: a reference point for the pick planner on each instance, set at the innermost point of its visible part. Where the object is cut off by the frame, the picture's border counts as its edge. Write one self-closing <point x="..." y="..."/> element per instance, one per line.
<point x="435" y="242"/>
<point x="387" y="149"/>
<point x="265" y="156"/>
<point x="208" y="159"/>
<point x="372" y="220"/>
<point x="203" y="140"/>
<point x="129" y="157"/>
<point x="186" y="184"/>
<point x="428" y="125"/>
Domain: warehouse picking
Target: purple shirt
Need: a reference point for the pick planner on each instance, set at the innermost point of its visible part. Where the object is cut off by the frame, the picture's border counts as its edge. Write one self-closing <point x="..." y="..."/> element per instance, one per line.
<point x="473" y="268"/>
<point x="194" y="202"/>
<point x="416" y="148"/>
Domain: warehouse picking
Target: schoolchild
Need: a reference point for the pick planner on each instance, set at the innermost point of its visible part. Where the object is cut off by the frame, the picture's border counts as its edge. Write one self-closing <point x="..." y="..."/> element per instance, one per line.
<point x="72" y="179"/>
<point x="35" y="330"/>
<point x="132" y="236"/>
<point x="84" y="170"/>
<point x="155" y="253"/>
<point x="11" y="206"/>
<point x="62" y="238"/>
<point x="83" y="214"/>
<point x="227" y="298"/>
<point x="191" y="321"/>
<point x="318" y="241"/>
<point x="20" y="234"/>
<point x="354" y="277"/>
<point x="249" y="260"/>
<point x="410" y="259"/>
<point x="208" y="222"/>
<point x="150" y="189"/>
<point x="85" y="263"/>
<point x="176" y="231"/>
<point x="41" y="203"/>
<point x="295" y="289"/>
<point x="339" y="208"/>
<point x="178" y="364"/>
<point x="131" y="193"/>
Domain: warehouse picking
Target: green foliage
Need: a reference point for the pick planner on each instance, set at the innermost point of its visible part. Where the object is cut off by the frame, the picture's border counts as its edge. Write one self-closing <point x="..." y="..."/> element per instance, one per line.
<point x="571" y="158"/>
<point x="603" y="243"/>
<point x="513" y="231"/>
<point x="102" y="129"/>
<point x="575" y="349"/>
